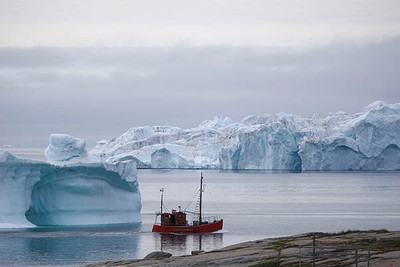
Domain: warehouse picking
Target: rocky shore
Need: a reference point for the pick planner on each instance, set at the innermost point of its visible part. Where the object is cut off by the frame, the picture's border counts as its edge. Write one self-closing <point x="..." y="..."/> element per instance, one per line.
<point x="351" y="248"/>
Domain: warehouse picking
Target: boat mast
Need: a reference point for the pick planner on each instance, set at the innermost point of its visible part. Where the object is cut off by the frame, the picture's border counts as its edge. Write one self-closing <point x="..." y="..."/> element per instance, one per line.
<point x="201" y="196"/>
<point x="162" y="196"/>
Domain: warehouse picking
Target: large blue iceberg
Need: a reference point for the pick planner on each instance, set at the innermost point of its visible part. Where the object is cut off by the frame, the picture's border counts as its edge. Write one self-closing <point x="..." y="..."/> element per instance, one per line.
<point x="39" y="193"/>
<point x="368" y="140"/>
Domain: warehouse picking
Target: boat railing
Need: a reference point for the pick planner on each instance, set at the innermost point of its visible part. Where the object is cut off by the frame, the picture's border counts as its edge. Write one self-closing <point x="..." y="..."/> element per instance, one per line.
<point x="206" y="220"/>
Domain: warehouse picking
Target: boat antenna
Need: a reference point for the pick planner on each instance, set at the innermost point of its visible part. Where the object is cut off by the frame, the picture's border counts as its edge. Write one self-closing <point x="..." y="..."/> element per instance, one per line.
<point x="201" y="196"/>
<point x="162" y="196"/>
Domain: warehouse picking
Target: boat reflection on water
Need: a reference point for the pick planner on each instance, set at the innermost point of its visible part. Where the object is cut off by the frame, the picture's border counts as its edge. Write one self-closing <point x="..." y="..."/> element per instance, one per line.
<point x="179" y="244"/>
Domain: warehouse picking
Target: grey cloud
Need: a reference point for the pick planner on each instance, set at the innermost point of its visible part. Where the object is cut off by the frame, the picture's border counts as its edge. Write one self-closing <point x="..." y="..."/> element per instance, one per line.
<point x="35" y="57"/>
<point x="98" y="93"/>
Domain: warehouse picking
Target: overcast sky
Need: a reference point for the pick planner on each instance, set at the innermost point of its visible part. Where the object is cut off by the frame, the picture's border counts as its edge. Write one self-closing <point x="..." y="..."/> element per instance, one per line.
<point x="94" y="69"/>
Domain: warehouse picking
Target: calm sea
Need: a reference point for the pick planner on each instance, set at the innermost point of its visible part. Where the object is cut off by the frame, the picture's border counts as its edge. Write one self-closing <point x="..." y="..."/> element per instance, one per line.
<point x="254" y="205"/>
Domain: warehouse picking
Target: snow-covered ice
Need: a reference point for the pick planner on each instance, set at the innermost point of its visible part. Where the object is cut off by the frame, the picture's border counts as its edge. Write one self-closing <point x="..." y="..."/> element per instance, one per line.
<point x="369" y="140"/>
<point x="65" y="148"/>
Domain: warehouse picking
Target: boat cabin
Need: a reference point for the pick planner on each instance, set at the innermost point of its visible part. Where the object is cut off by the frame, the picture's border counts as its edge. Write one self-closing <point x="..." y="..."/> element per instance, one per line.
<point x="175" y="218"/>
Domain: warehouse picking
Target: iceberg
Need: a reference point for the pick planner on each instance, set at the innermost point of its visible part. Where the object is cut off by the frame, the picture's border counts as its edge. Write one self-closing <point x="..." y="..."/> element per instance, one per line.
<point x="369" y="140"/>
<point x="65" y="148"/>
<point x="365" y="141"/>
<point x="38" y="193"/>
<point x="99" y="186"/>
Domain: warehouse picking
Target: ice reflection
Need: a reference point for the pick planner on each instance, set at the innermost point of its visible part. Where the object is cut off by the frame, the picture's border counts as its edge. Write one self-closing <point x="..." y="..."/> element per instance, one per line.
<point x="69" y="245"/>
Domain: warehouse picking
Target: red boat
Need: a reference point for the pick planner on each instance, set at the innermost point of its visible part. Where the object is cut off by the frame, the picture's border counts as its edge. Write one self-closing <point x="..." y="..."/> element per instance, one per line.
<point x="176" y="222"/>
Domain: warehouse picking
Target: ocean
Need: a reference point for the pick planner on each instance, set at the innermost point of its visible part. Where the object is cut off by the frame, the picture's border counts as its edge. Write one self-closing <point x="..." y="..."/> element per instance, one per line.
<point x="253" y="204"/>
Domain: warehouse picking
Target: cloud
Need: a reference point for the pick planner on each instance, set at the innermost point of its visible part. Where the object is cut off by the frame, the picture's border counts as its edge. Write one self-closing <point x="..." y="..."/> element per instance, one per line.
<point x="34" y="57"/>
<point x="205" y="23"/>
<point x="97" y="93"/>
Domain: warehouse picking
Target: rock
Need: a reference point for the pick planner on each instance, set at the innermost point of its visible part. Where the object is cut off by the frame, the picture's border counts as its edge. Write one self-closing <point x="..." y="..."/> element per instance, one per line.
<point x="338" y="250"/>
<point x="157" y="255"/>
<point x="197" y="252"/>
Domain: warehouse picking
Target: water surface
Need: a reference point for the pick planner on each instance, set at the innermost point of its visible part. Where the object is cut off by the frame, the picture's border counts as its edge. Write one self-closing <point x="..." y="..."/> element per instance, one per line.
<point x="254" y="205"/>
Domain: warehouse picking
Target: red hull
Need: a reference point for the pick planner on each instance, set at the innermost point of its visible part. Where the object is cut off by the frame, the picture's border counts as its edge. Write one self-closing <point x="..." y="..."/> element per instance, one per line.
<point x="190" y="229"/>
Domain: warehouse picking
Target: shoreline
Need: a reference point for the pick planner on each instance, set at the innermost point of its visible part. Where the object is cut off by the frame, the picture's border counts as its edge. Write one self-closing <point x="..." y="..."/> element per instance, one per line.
<point x="378" y="247"/>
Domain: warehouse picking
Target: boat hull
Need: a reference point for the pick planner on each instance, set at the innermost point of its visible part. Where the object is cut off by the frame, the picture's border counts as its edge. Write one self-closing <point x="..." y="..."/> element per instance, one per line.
<point x="189" y="229"/>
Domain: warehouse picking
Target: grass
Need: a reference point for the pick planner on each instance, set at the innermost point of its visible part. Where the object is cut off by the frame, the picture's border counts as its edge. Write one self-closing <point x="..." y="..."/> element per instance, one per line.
<point x="387" y="245"/>
<point x="380" y="231"/>
<point x="280" y="244"/>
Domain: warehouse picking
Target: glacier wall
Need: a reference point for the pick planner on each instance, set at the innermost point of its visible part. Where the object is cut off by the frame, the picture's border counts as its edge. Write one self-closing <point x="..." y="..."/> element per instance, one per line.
<point x="262" y="147"/>
<point x="366" y="141"/>
<point x="369" y="140"/>
<point x="43" y="194"/>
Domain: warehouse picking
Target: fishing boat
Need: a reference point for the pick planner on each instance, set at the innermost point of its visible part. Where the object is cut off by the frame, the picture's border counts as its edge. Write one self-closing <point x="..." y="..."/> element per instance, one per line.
<point x="176" y="221"/>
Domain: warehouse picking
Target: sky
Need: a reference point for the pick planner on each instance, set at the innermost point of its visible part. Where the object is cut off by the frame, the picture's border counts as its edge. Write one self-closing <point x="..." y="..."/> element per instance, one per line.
<point x="94" y="69"/>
